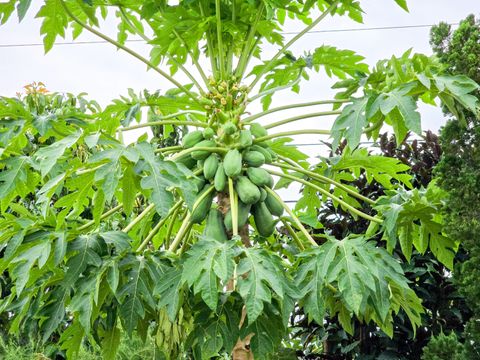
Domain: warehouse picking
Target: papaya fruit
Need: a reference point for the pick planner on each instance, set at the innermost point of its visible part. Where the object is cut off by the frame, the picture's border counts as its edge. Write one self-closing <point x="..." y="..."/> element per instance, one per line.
<point x="245" y="139"/>
<point x="232" y="163"/>
<point x="229" y="128"/>
<point x="265" y="153"/>
<point x="192" y="138"/>
<point x="210" y="167"/>
<point x="263" y="195"/>
<point x="243" y="213"/>
<point x="274" y="206"/>
<point x="259" y="176"/>
<point x="220" y="180"/>
<point x="247" y="191"/>
<point x="188" y="161"/>
<point x="203" y="207"/>
<point x="263" y="219"/>
<point x="208" y="133"/>
<point x="254" y="158"/>
<point x="202" y="154"/>
<point x="258" y="130"/>
<point x="215" y="229"/>
<point x="199" y="182"/>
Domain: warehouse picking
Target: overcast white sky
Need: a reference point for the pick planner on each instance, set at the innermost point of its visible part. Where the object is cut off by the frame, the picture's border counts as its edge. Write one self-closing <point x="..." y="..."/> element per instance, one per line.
<point x="105" y="73"/>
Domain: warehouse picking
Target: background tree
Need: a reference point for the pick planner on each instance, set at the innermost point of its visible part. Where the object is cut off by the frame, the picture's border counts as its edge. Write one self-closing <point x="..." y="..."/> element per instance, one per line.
<point x="181" y="242"/>
<point x="459" y="171"/>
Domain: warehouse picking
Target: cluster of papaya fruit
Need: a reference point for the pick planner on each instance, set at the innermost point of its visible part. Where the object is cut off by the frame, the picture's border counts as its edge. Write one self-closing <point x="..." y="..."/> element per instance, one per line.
<point x="233" y="150"/>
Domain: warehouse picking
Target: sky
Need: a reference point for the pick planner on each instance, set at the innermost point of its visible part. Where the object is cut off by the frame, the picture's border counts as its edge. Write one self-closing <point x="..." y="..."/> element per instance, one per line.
<point x="105" y="73"/>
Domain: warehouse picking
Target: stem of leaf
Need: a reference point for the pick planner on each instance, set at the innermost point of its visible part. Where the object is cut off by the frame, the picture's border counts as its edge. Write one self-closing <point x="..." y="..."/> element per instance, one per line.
<point x="221" y="54"/>
<point x="139" y="218"/>
<point x="292" y="215"/>
<point x="170" y="226"/>
<point x="159" y="225"/>
<point x="103" y="216"/>
<point x="130" y="51"/>
<point x="194" y="60"/>
<point x="292" y="132"/>
<point x="180" y="234"/>
<point x="326" y="193"/>
<point x="301" y="117"/>
<point x="167" y="149"/>
<point x="324" y="179"/>
<point x="292" y="106"/>
<point x="292" y="234"/>
<point x="186" y="222"/>
<point x="292" y="41"/>
<point x="247" y="50"/>
<point x="188" y="236"/>
<point x="233" y="207"/>
<point x="125" y="18"/>
<point x="166" y="122"/>
<point x="278" y="88"/>
<point x="200" y="148"/>
<point x="209" y="43"/>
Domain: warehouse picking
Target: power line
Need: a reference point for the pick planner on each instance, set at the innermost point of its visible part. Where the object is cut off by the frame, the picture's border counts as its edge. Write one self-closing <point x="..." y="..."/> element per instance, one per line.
<point x="92" y="42"/>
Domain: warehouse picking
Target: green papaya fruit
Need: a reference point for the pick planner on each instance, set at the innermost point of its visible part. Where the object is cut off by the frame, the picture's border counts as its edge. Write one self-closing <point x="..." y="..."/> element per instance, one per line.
<point x="263" y="219"/>
<point x="220" y="181"/>
<point x="188" y="161"/>
<point x="215" y="229"/>
<point x="208" y="133"/>
<point x="245" y="138"/>
<point x="192" y="138"/>
<point x="201" y="211"/>
<point x="247" y="191"/>
<point x="258" y="130"/>
<point x="199" y="182"/>
<point x="210" y="167"/>
<point x="263" y="195"/>
<point x="243" y="213"/>
<point x="265" y="153"/>
<point x="259" y="176"/>
<point x="254" y="158"/>
<point x="232" y="163"/>
<point x="274" y="206"/>
<point x="202" y="154"/>
<point x="229" y="128"/>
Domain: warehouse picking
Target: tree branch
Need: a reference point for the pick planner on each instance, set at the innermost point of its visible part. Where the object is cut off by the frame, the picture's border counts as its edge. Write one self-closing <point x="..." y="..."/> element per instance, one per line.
<point x="129" y="51"/>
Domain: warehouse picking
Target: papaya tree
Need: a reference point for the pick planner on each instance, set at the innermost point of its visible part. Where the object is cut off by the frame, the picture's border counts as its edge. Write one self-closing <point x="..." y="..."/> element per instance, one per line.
<point x="186" y="241"/>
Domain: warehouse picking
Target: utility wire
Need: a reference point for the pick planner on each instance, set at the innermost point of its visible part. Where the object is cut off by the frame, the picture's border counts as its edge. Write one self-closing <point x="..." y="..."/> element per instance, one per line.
<point x="284" y="33"/>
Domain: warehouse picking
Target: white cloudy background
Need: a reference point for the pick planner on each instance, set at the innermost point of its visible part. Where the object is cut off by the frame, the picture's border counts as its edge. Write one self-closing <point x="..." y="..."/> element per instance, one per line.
<point x="105" y="73"/>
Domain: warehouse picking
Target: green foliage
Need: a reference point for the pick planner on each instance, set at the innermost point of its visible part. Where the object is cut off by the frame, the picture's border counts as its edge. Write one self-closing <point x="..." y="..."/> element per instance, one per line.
<point x="458" y="172"/>
<point x="443" y="347"/>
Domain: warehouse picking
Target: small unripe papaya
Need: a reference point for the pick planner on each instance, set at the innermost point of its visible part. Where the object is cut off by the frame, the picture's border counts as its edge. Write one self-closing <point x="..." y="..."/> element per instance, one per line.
<point x="232" y="163"/>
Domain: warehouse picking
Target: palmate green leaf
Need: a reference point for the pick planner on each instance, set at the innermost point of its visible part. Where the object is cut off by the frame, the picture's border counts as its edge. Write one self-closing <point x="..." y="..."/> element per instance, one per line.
<point x="351" y="123"/>
<point x="86" y="250"/>
<point x="336" y="62"/>
<point x="135" y="294"/>
<point x="110" y="343"/>
<point x="54" y="23"/>
<point x="6" y="10"/>
<point x="162" y="175"/>
<point x="22" y="8"/>
<point x="111" y="169"/>
<point x="71" y="339"/>
<point x="13" y="175"/>
<point x="361" y="277"/>
<point x="171" y="289"/>
<point x="413" y="218"/>
<point x="53" y="312"/>
<point x="45" y="158"/>
<point x="405" y="104"/>
<point x="382" y="169"/>
<point x="281" y="148"/>
<point x="260" y="276"/>
<point x="208" y="262"/>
